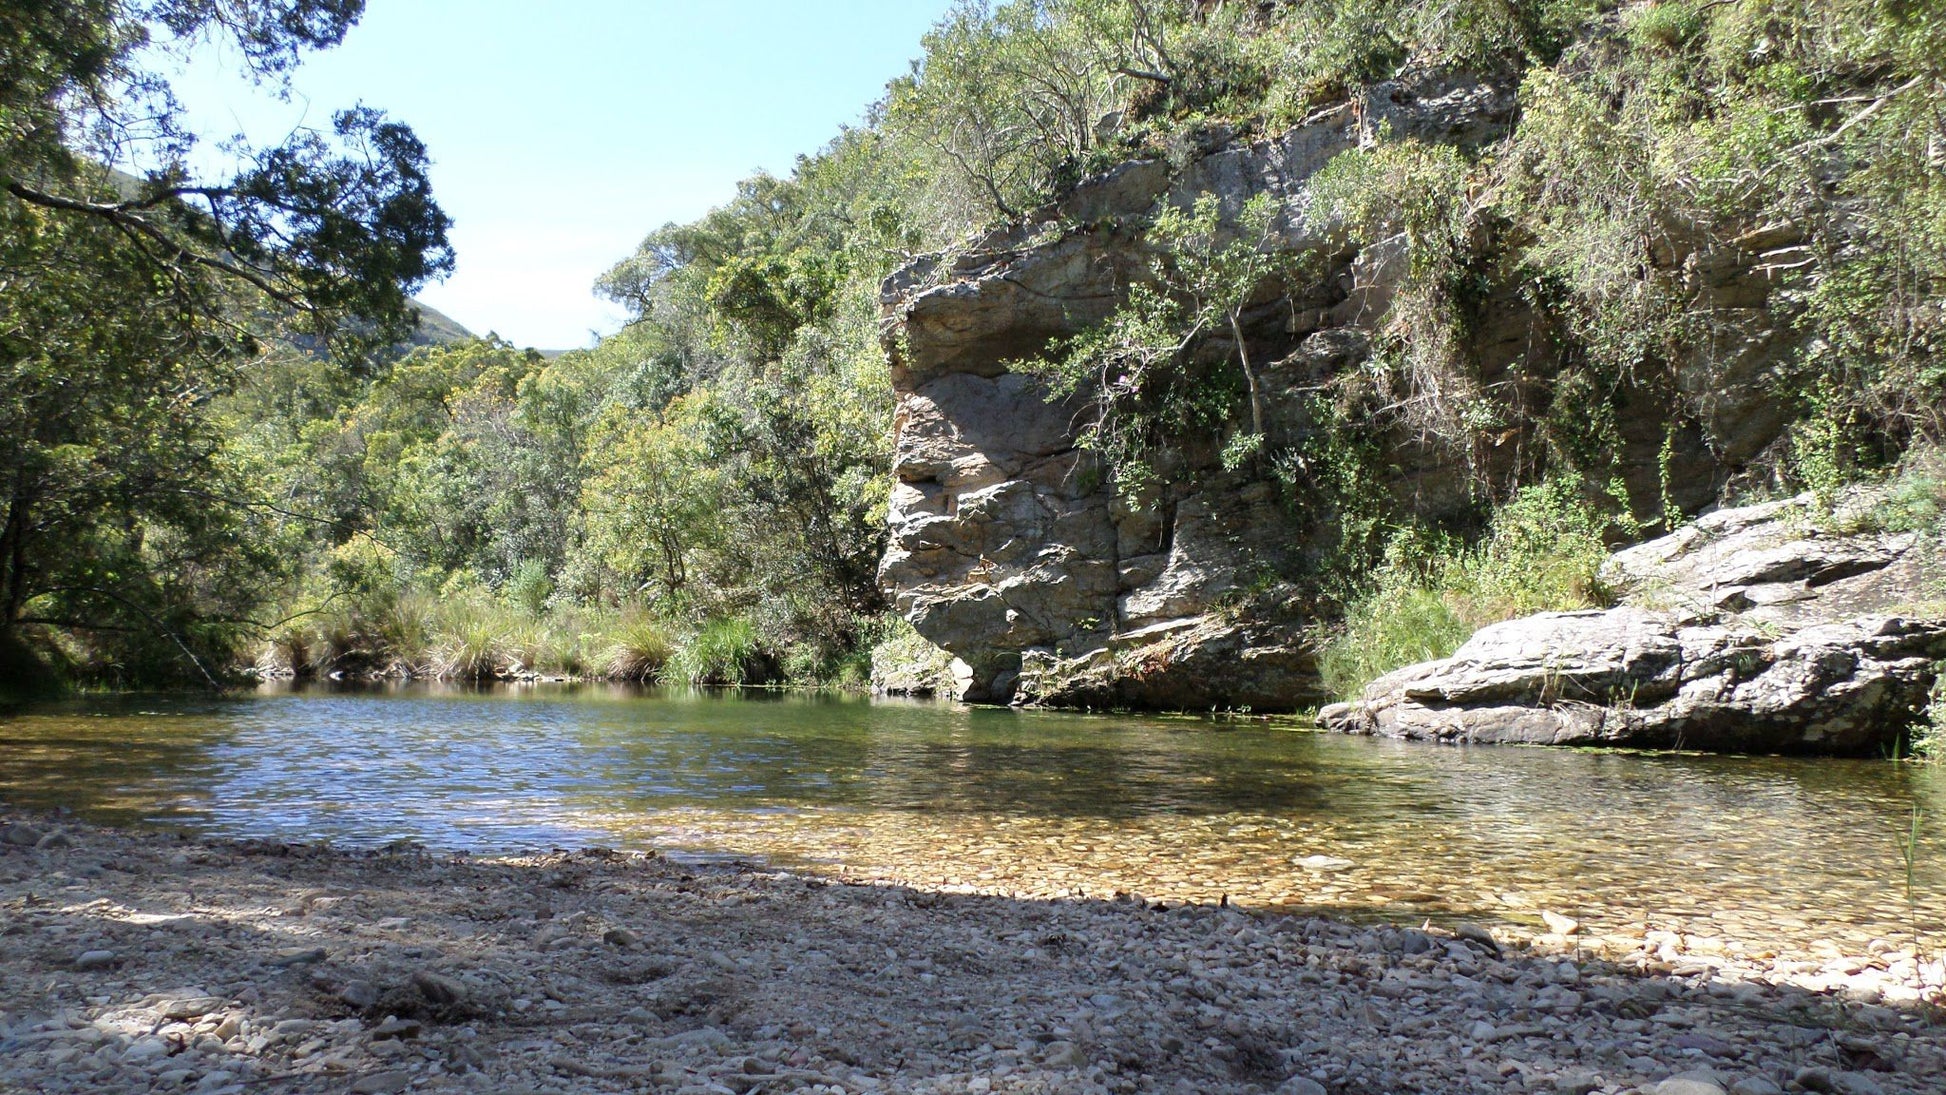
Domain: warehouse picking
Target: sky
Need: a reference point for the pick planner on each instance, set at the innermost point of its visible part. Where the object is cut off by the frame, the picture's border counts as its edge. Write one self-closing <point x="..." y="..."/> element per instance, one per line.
<point x="559" y="140"/>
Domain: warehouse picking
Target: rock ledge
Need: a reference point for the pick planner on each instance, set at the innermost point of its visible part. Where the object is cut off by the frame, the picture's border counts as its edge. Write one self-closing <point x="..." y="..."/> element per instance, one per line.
<point x="1753" y="630"/>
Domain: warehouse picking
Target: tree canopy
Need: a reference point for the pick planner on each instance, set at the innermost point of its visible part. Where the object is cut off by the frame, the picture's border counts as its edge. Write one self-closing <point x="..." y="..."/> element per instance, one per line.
<point x="137" y="291"/>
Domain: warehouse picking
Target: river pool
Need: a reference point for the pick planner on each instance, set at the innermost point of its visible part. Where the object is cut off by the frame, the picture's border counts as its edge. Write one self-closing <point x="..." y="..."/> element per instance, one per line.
<point x="1760" y="852"/>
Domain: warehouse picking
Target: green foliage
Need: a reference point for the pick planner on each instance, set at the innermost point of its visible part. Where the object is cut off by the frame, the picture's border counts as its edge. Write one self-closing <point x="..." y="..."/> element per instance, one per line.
<point x="639" y="648"/>
<point x="902" y="659"/>
<point x="1915" y="498"/>
<point x="1009" y="103"/>
<point x="1404" y="620"/>
<point x="1808" y="133"/>
<point x="1929" y="735"/>
<point x="1413" y="197"/>
<point x="719" y="468"/>
<point x="1144" y="366"/>
<point x="1542" y="553"/>
<point x="724" y="651"/>
<point x="129" y="540"/>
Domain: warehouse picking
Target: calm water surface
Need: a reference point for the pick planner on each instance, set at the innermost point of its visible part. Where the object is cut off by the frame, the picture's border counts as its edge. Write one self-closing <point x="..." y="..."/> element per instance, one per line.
<point x="1754" y="849"/>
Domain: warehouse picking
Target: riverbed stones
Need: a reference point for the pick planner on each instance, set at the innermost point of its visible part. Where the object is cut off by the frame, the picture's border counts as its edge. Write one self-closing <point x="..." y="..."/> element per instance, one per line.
<point x="818" y="984"/>
<point x="298" y="956"/>
<point x="359" y="994"/>
<point x="95" y="960"/>
<point x="438" y="988"/>
<point x="1558" y="924"/>
<point x="1691" y="1083"/>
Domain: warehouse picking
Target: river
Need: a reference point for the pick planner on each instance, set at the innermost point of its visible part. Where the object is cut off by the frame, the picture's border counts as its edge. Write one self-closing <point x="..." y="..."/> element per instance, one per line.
<point x="1795" y="854"/>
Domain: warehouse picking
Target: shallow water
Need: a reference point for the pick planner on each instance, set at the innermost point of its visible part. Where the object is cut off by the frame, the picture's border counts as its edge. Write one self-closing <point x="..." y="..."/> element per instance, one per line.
<point x="1761" y="852"/>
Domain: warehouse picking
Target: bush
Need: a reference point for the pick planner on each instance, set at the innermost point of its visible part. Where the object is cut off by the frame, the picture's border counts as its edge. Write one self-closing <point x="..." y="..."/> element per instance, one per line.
<point x="903" y="661"/>
<point x="1404" y="622"/>
<point x="638" y="647"/>
<point x="1929" y="734"/>
<point x="1542" y="553"/>
<point x="476" y="639"/>
<point x="723" y="652"/>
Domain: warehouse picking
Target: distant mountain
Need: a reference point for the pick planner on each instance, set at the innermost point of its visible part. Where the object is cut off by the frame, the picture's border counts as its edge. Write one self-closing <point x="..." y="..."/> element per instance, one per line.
<point x="436" y="328"/>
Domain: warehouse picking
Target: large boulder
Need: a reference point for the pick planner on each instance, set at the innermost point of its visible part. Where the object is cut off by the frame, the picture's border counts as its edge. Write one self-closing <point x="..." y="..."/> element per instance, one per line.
<point x="1757" y="629"/>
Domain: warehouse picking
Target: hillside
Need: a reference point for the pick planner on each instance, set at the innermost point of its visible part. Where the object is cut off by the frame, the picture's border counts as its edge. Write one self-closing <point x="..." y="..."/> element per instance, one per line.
<point x="1147" y="353"/>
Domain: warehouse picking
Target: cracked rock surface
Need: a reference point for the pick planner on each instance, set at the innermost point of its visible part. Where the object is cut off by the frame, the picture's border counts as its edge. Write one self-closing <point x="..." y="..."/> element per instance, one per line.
<point x="1753" y="630"/>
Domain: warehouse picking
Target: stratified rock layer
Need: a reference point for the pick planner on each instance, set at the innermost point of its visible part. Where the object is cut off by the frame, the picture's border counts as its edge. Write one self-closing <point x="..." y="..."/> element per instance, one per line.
<point x="1751" y="630"/>
<point x="1009" y="548"/>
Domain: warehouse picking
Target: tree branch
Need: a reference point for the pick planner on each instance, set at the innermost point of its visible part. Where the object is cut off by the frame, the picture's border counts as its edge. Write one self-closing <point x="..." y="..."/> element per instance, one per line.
<point x="123" y="215"/>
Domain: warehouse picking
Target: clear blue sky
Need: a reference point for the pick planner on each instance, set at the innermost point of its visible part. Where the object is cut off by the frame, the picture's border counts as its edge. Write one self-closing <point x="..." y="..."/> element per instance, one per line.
<point x="562" y="133"/>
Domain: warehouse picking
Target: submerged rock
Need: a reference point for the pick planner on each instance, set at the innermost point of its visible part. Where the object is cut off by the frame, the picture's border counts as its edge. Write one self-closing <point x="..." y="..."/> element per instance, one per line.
<point x="1752" y="630"/>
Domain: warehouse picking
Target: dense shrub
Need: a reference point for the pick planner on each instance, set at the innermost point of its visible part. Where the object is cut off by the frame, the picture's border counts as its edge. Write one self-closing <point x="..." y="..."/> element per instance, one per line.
<point x="1542" y="553"/>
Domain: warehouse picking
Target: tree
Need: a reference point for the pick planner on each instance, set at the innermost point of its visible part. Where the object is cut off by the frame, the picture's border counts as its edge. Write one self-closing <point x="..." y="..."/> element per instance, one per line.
<point x="654" y="499"/>
<point x="137" y="291"/>
<point x="1010" y="100"/>
<point x="1139" y="365"/>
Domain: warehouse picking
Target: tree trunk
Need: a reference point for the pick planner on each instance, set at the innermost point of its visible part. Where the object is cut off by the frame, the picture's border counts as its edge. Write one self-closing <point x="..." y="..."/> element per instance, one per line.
<point x="1249" y="377"/>
<point x="13" y="554"/>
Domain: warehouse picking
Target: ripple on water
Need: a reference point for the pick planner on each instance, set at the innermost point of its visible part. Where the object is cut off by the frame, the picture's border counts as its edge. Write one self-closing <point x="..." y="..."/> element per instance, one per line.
<point x="1759" y="850"/>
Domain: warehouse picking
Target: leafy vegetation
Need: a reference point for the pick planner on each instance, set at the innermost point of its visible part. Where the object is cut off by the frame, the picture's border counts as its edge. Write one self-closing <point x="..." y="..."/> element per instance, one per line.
<point x="213" y="451"/>
<point x="1929" y="736"/>
<point x="1141" y="367"/>
<point x="133" y="302"/>
<point x="1542" y="553"/>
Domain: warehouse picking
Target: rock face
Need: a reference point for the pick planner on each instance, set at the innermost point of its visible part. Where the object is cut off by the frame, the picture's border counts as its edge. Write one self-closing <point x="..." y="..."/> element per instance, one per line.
<point x="1009" y="548"/>
<point x="1751" y="630"/>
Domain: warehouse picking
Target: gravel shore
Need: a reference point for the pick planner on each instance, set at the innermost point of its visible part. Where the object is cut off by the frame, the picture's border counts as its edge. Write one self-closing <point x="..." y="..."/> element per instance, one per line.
<point x="134" y="962"/>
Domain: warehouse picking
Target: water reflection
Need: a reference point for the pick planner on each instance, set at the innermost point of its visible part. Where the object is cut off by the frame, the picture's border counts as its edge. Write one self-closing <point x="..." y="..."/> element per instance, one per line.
<point x="1030" y="802"/>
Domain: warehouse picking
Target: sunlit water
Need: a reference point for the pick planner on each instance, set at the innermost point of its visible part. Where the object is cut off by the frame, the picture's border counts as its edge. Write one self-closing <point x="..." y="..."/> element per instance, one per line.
<point x="1771" y="852"/>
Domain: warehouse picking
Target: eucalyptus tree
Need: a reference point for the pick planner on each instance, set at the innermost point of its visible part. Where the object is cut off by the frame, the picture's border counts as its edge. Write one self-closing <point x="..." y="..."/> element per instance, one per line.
<point x="136" y="289"/>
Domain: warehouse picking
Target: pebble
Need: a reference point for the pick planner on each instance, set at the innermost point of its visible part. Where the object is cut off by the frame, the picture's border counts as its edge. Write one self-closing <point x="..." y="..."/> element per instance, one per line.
<point x="1691" y="1083"/>
<point x="193" y="1007"/>
<point x="299" y="956"/>
<point x="513" y="976"/>
<point x="382" y="1083"/>
<point x="94" y="960"/>
<point x="359" y="994"/>
<point x="1063" y="1055"/>
<point x="1325" y="863"/>
<point x="438" y="989"/>
<point x="395" y="1027"/>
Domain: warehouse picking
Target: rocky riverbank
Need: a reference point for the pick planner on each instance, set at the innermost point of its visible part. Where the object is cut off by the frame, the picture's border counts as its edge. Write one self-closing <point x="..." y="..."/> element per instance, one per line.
<point x="147" y="962"/>
<point x="1774" y="628"/>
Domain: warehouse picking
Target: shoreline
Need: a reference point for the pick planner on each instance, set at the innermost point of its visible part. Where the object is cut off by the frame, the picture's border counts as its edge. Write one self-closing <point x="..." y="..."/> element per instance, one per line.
<point x="141" y="961"/>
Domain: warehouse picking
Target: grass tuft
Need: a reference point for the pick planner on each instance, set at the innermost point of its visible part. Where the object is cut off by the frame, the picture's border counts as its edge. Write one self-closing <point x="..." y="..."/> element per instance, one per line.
<point x="638" y="647"/>
<point x="1543" y="553"/>
<point x="722" y="652"/>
